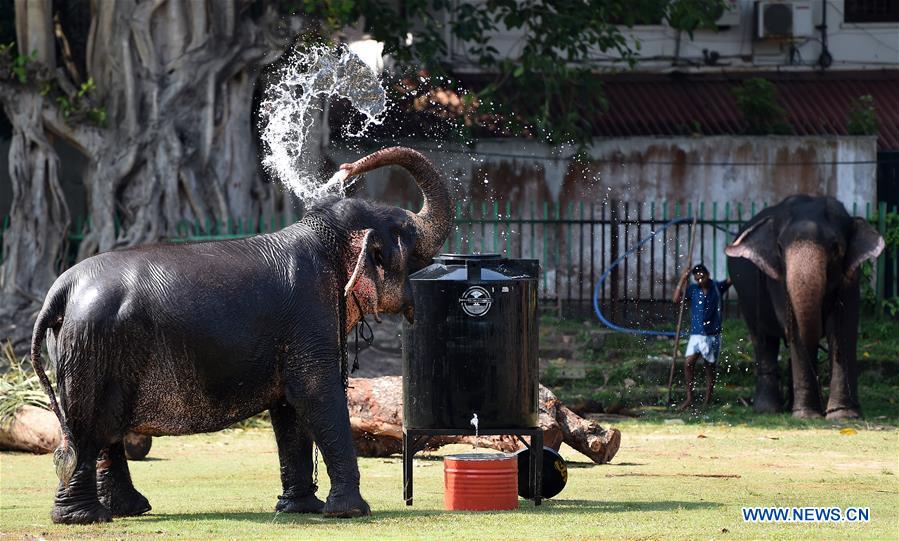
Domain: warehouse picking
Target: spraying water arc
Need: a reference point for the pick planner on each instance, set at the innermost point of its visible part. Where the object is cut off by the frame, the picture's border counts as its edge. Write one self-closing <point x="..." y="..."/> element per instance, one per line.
<point x="287" y="114"/>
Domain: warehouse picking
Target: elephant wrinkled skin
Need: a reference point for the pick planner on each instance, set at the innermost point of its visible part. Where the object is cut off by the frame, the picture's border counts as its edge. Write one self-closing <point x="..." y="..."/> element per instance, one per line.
<point x="795" y="267"/>
<point x="180" y="339"/>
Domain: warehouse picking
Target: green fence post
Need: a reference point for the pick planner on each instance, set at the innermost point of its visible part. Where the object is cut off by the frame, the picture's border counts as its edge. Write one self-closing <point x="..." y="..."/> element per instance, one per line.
<point x="495" y="219"/>
<point x="545" y="240"/>
<point x="881" y="261"/>
<point x="715" y="238"/>
<point x="533" y="251"/>
<point x="895" y="250"/>
<point x="457" y="245"/>
<point x="509" y="223"/>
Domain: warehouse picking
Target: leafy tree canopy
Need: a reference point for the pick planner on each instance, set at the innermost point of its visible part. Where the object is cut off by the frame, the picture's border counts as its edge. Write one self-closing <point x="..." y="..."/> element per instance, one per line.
<point x="548" y="89"/>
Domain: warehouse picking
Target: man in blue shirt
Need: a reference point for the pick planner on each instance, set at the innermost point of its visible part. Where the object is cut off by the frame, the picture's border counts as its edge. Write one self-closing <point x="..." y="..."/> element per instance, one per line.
<point x="705" y="326"/>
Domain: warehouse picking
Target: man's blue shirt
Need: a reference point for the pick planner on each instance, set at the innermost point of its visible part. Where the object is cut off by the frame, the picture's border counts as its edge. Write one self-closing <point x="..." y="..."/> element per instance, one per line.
<point x="705" y="308"/>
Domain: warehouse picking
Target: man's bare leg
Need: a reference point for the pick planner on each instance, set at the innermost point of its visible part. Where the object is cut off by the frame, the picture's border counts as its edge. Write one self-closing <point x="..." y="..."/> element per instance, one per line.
<point x="689" y="364"/>
<point x="710" y="374"/>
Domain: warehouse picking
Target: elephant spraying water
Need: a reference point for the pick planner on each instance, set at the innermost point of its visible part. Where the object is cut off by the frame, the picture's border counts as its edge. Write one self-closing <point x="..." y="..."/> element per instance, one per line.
<point x="795" y="267"/>
<point x="181" y="339"/>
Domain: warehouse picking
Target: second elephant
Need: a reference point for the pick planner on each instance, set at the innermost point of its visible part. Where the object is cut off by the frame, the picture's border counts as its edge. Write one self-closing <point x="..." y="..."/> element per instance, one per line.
<point x="795" y="267"/>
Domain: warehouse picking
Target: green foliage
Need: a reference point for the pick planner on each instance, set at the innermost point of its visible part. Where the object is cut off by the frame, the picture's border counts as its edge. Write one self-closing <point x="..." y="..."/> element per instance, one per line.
<point x="548" y="90"/>
<point x="891" y="232"/>
<point x="25" y="69"/>
<point x="690" y="15"/>
<point x="81" y="105"/>
<point x="888" y="305"/>
<point x="862" y="119"/>
<point x="19" y="386"/>
<point x="757" y="100"/>
<point x="15" y="64"/>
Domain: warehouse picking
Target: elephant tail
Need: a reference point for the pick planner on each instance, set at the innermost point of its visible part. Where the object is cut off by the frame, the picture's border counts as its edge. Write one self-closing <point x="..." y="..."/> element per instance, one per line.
<point x="64" y="457"/>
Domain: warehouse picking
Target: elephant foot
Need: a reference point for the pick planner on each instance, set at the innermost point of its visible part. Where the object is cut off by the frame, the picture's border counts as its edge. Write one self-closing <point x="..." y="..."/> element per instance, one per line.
<point x="81" y="514"/>
<point x="126" y="503"/>
<point x="299" y="504"/>
<point x="767" y="402"/>
<point x="346" y="503"/>
<point x="806" y="413"/>
<point x="843" y="413"/>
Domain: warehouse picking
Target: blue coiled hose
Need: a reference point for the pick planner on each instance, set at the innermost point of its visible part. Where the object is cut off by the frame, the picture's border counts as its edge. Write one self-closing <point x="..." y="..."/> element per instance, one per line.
<point x="615" y="263"/>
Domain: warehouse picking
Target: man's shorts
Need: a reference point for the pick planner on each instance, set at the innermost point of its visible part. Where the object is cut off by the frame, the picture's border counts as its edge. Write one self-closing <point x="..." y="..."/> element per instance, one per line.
<point x="708" y="347"/>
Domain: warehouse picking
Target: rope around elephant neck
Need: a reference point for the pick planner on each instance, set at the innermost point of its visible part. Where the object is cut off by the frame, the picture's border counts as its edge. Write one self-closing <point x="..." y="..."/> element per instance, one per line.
<point x="363" y="329"/>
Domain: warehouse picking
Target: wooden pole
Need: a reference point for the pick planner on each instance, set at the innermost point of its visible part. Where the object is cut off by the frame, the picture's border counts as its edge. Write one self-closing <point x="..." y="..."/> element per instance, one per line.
<point x="680" y="313"/>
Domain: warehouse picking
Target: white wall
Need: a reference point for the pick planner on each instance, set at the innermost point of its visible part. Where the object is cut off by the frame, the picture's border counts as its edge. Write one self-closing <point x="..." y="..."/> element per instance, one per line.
<point x="727" y="170"/>
<point x="852" y="45"/>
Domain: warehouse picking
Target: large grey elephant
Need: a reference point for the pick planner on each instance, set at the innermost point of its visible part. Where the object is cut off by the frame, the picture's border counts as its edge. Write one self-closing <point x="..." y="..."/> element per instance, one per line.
<point x="795" y="267"/>
<point x="180" y="339"/>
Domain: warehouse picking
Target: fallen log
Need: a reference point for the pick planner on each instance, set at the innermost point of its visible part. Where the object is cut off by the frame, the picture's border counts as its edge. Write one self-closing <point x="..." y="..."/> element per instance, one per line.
<point x="36" y="430"/>
<point x="376" y="417"/>
<point x="31" y="429"/>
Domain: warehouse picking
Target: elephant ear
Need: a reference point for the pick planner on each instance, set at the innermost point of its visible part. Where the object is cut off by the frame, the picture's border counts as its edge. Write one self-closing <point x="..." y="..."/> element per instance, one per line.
<point x="364" y="272"/>
<point x="865" y="243"/>
<point x="759" y="245"/>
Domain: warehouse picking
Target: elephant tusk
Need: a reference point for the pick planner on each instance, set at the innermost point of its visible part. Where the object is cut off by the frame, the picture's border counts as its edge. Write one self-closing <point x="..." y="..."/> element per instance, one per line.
<point x="360" y="263"/>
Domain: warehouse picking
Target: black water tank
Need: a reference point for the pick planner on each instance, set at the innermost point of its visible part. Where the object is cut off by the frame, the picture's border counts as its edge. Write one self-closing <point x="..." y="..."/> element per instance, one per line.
<point x="473" y="346"/>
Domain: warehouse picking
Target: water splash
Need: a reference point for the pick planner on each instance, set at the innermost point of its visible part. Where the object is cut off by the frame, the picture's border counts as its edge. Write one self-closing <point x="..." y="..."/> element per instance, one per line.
<point x="287" y="113"/>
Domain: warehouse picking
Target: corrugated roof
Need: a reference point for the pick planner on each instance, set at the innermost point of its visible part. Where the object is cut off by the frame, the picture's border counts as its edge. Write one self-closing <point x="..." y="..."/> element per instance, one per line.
<point x="816" y="103"/>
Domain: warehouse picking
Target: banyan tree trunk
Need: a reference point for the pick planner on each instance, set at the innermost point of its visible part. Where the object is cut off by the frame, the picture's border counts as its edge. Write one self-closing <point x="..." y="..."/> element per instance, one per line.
<point x="376" y="406"/>
<point x="175" y="80"/>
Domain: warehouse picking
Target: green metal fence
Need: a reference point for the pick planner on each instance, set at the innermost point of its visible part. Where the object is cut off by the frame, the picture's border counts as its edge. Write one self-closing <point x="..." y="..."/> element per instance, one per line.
<point x="575" y="243"/>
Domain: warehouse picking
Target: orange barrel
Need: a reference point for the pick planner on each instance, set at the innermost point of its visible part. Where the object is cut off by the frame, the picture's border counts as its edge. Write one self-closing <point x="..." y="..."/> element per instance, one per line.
<point x="480" y="482"/>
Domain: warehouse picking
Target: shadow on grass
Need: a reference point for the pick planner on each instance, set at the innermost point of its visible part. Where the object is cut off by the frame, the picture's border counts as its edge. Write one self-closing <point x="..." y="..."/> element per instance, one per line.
<point x="551" y="507"/>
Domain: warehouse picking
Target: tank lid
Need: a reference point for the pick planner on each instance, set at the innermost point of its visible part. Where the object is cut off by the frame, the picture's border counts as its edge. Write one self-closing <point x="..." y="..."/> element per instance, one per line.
<point x="480" y="456"/>
<point x="460" y="259"/>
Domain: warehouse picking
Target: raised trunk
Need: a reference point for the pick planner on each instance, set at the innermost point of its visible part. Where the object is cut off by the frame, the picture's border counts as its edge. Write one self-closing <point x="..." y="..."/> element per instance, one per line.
<point x="435" y="219"/>
<point x="806" y="276"/>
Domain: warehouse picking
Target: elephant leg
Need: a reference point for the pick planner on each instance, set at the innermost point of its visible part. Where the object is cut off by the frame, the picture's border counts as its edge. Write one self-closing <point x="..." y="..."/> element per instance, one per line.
<point x="842" y="337"/>
<point x="114" y="486"/>
<point x="323" y="399"/>
<point x="806" y="392"/>
<point x="767" y="388"/>
<point x="77" y="501"/>
<point x="295" y="455"/>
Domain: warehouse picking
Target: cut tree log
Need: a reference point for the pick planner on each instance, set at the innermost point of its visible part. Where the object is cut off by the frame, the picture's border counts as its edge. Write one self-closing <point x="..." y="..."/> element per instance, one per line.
<point x="36" y="430"/>
<point x="32" y="429"/>
<point x="376" y="417"/>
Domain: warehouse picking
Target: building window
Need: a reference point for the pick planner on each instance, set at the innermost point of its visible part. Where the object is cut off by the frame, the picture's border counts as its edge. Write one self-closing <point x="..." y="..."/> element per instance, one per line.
<point x="872" y="11"/>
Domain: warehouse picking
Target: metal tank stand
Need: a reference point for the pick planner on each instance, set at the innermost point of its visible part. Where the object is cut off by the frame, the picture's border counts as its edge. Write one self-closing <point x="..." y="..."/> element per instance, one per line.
<point x="415" y="439"/>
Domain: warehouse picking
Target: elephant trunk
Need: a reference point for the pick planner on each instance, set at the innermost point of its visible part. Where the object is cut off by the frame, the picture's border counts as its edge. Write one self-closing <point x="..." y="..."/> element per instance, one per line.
<point x="806" y="277"/>
<point x="435" y="219"/>
<point x="806" y="266"/>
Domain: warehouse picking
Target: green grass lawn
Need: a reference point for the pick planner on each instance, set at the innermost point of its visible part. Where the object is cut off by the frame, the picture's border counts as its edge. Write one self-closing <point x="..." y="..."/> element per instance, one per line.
<point x="668" y="481"/>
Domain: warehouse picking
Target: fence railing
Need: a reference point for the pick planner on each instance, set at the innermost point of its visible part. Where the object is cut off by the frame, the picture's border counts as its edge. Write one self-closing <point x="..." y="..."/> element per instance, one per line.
<point x="577" y="242"/>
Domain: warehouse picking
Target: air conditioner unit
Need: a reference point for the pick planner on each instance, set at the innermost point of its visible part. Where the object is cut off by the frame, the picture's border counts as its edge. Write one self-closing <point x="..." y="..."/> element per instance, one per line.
<point x="731" y="14"/>
<point x="776" y="19"/>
